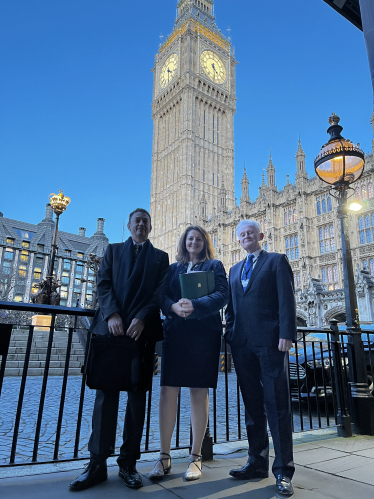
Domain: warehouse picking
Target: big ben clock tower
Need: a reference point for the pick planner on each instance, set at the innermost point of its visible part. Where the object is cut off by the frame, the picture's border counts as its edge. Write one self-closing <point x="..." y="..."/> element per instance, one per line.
<point x="193" y="114"/>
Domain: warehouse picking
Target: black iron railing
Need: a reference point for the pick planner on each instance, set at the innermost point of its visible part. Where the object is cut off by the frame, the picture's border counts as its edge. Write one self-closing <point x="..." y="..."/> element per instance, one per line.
<point x="46" y="408"/>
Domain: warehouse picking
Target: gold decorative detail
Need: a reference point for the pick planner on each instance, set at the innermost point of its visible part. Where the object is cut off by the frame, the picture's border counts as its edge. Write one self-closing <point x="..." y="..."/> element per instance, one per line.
<point x="357" y="317"/>
<point x="201" y="30"/>
<point x="59" y="202"/>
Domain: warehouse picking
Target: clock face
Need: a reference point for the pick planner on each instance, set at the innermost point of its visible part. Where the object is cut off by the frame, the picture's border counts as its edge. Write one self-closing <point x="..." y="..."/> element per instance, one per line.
<point x="213" y="66"/>
<point x="169" y="70"/>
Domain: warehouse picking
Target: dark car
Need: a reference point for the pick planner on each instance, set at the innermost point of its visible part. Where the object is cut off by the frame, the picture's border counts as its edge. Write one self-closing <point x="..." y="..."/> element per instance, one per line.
<point x="311" y="361"/>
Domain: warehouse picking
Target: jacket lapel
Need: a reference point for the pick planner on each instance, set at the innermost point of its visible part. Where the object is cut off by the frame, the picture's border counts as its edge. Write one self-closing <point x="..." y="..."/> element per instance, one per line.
<point x="260" y="261"/>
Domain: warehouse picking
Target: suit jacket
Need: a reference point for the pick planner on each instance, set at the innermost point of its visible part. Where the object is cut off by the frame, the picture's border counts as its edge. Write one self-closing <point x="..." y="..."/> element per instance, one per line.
<point x="266" y="310"/>
<point x="131" y="288"/>
<point x="206" y="308"/>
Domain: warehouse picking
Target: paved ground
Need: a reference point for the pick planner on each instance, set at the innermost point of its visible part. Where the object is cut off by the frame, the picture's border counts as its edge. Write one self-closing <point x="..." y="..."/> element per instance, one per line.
<point x="325" y="468"/>
<point x="9" y="401"/>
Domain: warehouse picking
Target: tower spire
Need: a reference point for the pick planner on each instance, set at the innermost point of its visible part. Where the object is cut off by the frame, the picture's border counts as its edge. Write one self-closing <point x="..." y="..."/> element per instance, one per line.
<point x="271" y="172"/>
<point x="300" y="158"/>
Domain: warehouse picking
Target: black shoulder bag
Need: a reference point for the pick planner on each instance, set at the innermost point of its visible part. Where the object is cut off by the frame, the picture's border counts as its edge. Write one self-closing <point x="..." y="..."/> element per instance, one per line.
<point x="112" y="363"/>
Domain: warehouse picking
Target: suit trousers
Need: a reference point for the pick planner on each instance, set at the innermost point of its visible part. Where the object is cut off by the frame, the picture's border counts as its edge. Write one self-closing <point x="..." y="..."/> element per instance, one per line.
<point x="104" y="425"/>
<point x="263" y="379"/>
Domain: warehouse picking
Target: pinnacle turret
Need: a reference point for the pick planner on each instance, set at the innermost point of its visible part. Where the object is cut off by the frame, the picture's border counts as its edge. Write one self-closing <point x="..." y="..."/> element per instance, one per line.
<point x="271" y="172"/>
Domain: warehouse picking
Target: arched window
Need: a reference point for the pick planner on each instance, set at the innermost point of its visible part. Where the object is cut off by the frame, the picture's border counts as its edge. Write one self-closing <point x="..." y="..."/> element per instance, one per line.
<point x="294" y="216"/>
<point x="365" y="265"/>
<point x="287" y="243"/>
<point x="289" y="217"/>
<point x="367" y="221"/>
<point x="329" y="204"/>
<point x="324" y="278"/>
<point x="371" y="266"/>
<point x="326" y="232"/>
<point x="360" y="223"/>
<point x="329" y="273"/>
<point x="335" y="273"/>
<point x="321" y="234"/>
<point x="364" y="192"/>
<point x="323" y="205"/>
<point x="296" y="240"/>
<point x="372" y="219"/>
<point x="318" y="207"/>
<point x="291" y="242"/>
<point x="370" y="190"/>
<point x="285" y="218"/>
<point x="331" y="230"/>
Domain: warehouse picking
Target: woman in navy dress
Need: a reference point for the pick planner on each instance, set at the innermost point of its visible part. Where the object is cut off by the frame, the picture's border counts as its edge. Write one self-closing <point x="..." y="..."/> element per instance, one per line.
<point x="191" y="348"/>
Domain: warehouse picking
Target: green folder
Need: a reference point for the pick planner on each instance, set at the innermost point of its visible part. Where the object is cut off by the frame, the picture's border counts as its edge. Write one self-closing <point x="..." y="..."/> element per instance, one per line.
<point x="197" y="284"/>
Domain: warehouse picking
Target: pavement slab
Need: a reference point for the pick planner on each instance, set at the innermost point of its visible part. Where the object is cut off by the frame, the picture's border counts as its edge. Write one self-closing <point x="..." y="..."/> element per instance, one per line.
<point x="215" y="483"/>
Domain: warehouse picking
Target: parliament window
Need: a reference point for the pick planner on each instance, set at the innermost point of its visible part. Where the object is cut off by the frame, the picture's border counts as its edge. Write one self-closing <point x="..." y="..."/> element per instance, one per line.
<point x="366" y="228"/>
<point x="10" y="241"/>
<point x="22" y="271"/>
<point x="65" y="278"/>
<point x="67" y="264"/>
<point x="40" y="247"/>
<point x="324" y="204"/>
<point x="9" y="254"/>
<point x="79" y="268"/>
<point x="37" y="273"/>
<point x="25" y="244"/>
<point x="326" y="239"/>
<point x="24" y="256"/>
<point x="330" y="277"/>
<point x="364" y="190"/>
<point x="292" y="247"/>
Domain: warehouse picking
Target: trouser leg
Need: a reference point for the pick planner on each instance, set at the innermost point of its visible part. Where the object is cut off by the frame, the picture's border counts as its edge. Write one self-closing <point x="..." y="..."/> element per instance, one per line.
<point x="133" y="429"/>
<point x="104" y="424"/>
<point x="274" y="368"/>
<point x="248" y="371"/>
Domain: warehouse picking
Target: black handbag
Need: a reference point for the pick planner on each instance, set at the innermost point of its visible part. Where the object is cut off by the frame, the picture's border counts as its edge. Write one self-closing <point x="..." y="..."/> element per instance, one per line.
<point x="112" y="363"/>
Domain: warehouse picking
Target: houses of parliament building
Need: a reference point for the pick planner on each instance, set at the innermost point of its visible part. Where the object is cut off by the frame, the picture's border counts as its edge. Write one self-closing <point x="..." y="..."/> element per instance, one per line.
<point x="194" y="103"/>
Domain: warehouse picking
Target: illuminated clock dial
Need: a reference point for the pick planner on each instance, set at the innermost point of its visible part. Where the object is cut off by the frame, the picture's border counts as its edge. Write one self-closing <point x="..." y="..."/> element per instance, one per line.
<point x="169" y="70"/>
<point x="213" y="66"/>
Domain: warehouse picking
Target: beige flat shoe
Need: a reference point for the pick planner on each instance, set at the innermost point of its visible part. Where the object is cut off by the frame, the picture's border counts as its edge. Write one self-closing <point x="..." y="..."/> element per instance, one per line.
<point x="194" y="468"/>
<point x="157" y="474"/>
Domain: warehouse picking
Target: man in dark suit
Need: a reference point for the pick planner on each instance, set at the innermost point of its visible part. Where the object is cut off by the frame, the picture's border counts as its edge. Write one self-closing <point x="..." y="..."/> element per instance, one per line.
<point x="260" y="328"/>
<point x="129" y="284"/>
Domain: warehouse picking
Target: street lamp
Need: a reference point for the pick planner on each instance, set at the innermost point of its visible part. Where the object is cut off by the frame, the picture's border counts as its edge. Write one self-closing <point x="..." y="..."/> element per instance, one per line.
<point x="58" y="203"/>
<point x="339" y="164"/>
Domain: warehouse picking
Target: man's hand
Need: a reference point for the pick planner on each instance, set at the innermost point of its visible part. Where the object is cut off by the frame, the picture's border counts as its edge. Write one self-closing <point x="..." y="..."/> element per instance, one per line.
<point x="135" y="329"/>
<point x="183" y="308"/>
<point x="284" y="345"/>
<point x="115" y="325"/>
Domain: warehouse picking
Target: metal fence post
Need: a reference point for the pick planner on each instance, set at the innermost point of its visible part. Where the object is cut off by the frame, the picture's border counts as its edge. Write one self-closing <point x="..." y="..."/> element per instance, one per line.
<point x="207" y="447"/>
<point x="344" y="422"/>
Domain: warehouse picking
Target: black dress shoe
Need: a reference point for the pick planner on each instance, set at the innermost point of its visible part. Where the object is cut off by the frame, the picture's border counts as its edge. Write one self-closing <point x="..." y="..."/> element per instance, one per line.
<point x="249" y="472"/>
<point x="94" y="474"/>
<point x="131" y="477"/>
<point x="284" y="486"/>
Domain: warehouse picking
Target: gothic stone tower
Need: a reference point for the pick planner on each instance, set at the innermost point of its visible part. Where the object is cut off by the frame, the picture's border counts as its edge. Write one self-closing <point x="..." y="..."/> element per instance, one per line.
<point x="194" y="105"/>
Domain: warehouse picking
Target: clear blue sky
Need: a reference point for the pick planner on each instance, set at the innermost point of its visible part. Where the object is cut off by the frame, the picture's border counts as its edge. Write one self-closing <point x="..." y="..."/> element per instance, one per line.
<point x="76" y="91"/>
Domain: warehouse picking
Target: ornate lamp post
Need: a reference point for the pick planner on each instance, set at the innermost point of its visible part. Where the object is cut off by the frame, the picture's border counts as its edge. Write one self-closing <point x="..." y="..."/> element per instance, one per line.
<point x="339" y="164"/>
<point x="59" y="203"/>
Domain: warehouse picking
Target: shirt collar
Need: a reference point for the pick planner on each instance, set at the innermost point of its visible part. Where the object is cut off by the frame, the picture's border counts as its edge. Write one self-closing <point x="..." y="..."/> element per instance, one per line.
<point x="255" y="253"/>
<point x="140" y="244"/>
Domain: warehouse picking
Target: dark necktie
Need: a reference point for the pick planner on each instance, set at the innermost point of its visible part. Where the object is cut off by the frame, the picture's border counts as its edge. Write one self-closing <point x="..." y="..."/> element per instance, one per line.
<point x="247" y="271"/>
<point x="137" y="249"/>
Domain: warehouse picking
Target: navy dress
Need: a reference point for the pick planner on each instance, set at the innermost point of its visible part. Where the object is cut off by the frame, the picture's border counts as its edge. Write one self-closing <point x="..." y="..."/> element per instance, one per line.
<point x="191" y="348"/>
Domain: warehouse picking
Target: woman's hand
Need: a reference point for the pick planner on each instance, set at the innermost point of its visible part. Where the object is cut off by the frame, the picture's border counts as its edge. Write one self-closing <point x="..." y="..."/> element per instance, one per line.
<point x="183" y="308"/>
<point x="186" y="306"/>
